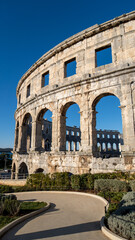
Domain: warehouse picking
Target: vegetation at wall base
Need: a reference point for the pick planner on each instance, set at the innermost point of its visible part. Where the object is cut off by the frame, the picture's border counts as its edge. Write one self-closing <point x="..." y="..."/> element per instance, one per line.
<point x="116" y="181"/>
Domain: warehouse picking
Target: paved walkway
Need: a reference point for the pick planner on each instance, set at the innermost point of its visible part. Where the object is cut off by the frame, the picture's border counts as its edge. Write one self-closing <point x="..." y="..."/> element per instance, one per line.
<point x="71" y="217"/>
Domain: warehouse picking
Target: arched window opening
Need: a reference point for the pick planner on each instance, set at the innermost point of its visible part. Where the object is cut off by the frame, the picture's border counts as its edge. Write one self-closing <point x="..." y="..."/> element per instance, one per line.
<point x="72" y="146"/>
<point x="67" y="147"/>
<point x="98" y="147"/>
<point x="44" y="130"/>
<point x="26" y="132"/>
<point x="70" y="123"/>
<point x="109" y="147"/>
<point x="105" y="110"/>
<point x="39" y="170"/>
<point x="104" y="147"/>
<point x="23" y="171"/>
<point x="114" y="146"/>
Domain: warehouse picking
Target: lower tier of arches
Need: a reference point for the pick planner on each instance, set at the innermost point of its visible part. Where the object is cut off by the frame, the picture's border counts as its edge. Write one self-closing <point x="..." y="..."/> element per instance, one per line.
<point x="76" y="163"/>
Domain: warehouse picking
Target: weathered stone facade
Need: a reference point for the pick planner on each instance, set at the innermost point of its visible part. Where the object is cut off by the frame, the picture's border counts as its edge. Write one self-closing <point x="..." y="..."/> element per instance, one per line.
<point x="86" y="87"/>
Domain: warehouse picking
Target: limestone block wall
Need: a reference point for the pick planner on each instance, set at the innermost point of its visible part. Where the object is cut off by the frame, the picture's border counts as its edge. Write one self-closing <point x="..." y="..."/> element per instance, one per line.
<point x="86" y="87"/>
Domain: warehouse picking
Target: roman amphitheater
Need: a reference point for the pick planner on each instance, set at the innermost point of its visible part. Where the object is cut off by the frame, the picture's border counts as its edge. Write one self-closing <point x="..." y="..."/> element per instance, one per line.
<point x="47" y="85"/>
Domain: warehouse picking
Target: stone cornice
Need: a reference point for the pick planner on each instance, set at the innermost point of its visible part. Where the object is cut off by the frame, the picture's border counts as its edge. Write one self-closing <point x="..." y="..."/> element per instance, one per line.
<point x="76" y="38"/>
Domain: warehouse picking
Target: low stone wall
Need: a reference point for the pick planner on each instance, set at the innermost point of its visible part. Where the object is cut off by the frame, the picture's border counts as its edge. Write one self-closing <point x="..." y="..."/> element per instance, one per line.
<point x="74" y="162"/>
<point x="12" y="182"/>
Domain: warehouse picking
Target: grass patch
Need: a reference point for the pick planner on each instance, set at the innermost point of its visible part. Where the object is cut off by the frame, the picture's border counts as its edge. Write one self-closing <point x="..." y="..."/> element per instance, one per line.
<point x="4" y="220"/>
<point x="27" y="207"/>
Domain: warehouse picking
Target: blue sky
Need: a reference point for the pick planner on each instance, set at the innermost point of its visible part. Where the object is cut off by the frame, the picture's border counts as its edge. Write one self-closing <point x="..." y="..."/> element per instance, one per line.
<point x="28" y="29"/>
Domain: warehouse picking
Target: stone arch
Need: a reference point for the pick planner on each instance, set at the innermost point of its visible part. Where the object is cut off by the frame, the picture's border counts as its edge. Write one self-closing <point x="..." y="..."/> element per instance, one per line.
<point x="94" y="131"/>
<point x="71" y="139"/>
<point x="98" y="97"/>
<point x="43" y="136"/>
<point x="26" y="132"/>
<point x="23" y="170"/>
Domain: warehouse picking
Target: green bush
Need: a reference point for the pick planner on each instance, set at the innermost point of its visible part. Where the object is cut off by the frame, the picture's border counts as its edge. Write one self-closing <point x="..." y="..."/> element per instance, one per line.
<point x="60" y="181"/>
<point x="132" y="185"/>
<point x="34" y="181"/>
<point x="9" y="206"/>
<point x="87" y="181"/>
<point x="5" y="189"/>
<point x="2" y="207"/>
<point x="3" y="197"/>
<point x="122" y="221"/>
<point x="76" y="182"/>
<point x="111" y="185"/>
<point x="46" y="183"/>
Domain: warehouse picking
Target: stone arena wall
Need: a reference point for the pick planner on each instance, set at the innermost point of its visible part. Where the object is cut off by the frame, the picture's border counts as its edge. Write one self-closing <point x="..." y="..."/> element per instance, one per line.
<point x="86" y="87"/>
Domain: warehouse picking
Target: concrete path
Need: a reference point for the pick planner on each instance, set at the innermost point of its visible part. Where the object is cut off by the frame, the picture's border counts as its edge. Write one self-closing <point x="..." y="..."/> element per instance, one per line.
<point x="71" y="217"/>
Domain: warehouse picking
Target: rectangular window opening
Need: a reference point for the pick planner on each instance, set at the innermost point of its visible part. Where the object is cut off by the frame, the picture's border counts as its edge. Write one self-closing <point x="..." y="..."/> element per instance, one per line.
<point x="45" y="79"/>
<point x="28" y="91"/>
<point x="103" y="56"/>
<point x="70" y="68"/>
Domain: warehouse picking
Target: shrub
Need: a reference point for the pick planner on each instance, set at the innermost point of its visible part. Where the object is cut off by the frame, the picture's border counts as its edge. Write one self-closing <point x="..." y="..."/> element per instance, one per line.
<point x="34" y="181"/>
<point x="87" y="181"/>
<point x="5" y="189"/>
<point x="132" y="185"/>
<point x="46" y="183"/>
<point x="1" y="207"/>
<point x="122" y="220"/>
<point x="111" y="185"/>
<point x="76" y="182"/>
<point x="60" y="181"/>
<point x="11" y="207"/>
<point x="3" y="197"/>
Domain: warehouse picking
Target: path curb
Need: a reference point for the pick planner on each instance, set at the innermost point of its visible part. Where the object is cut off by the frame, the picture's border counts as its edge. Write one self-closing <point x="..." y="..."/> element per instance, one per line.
<point x="108" y="233"/>
<point x="21" y="219"/>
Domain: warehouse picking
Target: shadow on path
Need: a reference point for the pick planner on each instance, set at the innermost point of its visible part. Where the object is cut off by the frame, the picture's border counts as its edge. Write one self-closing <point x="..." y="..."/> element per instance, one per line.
<point x="73" y="229"/>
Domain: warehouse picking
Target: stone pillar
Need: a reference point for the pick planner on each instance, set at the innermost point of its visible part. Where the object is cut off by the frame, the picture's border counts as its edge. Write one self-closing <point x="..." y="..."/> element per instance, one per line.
<point x="112" y="147"/>
<point x="62" y="133"/>
<point x="33" y="136"/>
<point x="128" y="128"/>
<point x="93" y="132"/>
<point x="128" y="117"/>
<point x="74" y="144"/>
<point x="85" y="131"/>
<point x="38" y="137"/>
<point x="106" y="148"/>
<point x="54" y="146"/>
<point x="16" y="175"/>
<point x="19" y="148"/>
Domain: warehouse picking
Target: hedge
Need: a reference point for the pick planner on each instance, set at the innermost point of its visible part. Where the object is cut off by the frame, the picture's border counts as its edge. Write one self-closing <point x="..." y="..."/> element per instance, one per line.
<point x="111" y="185"/>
